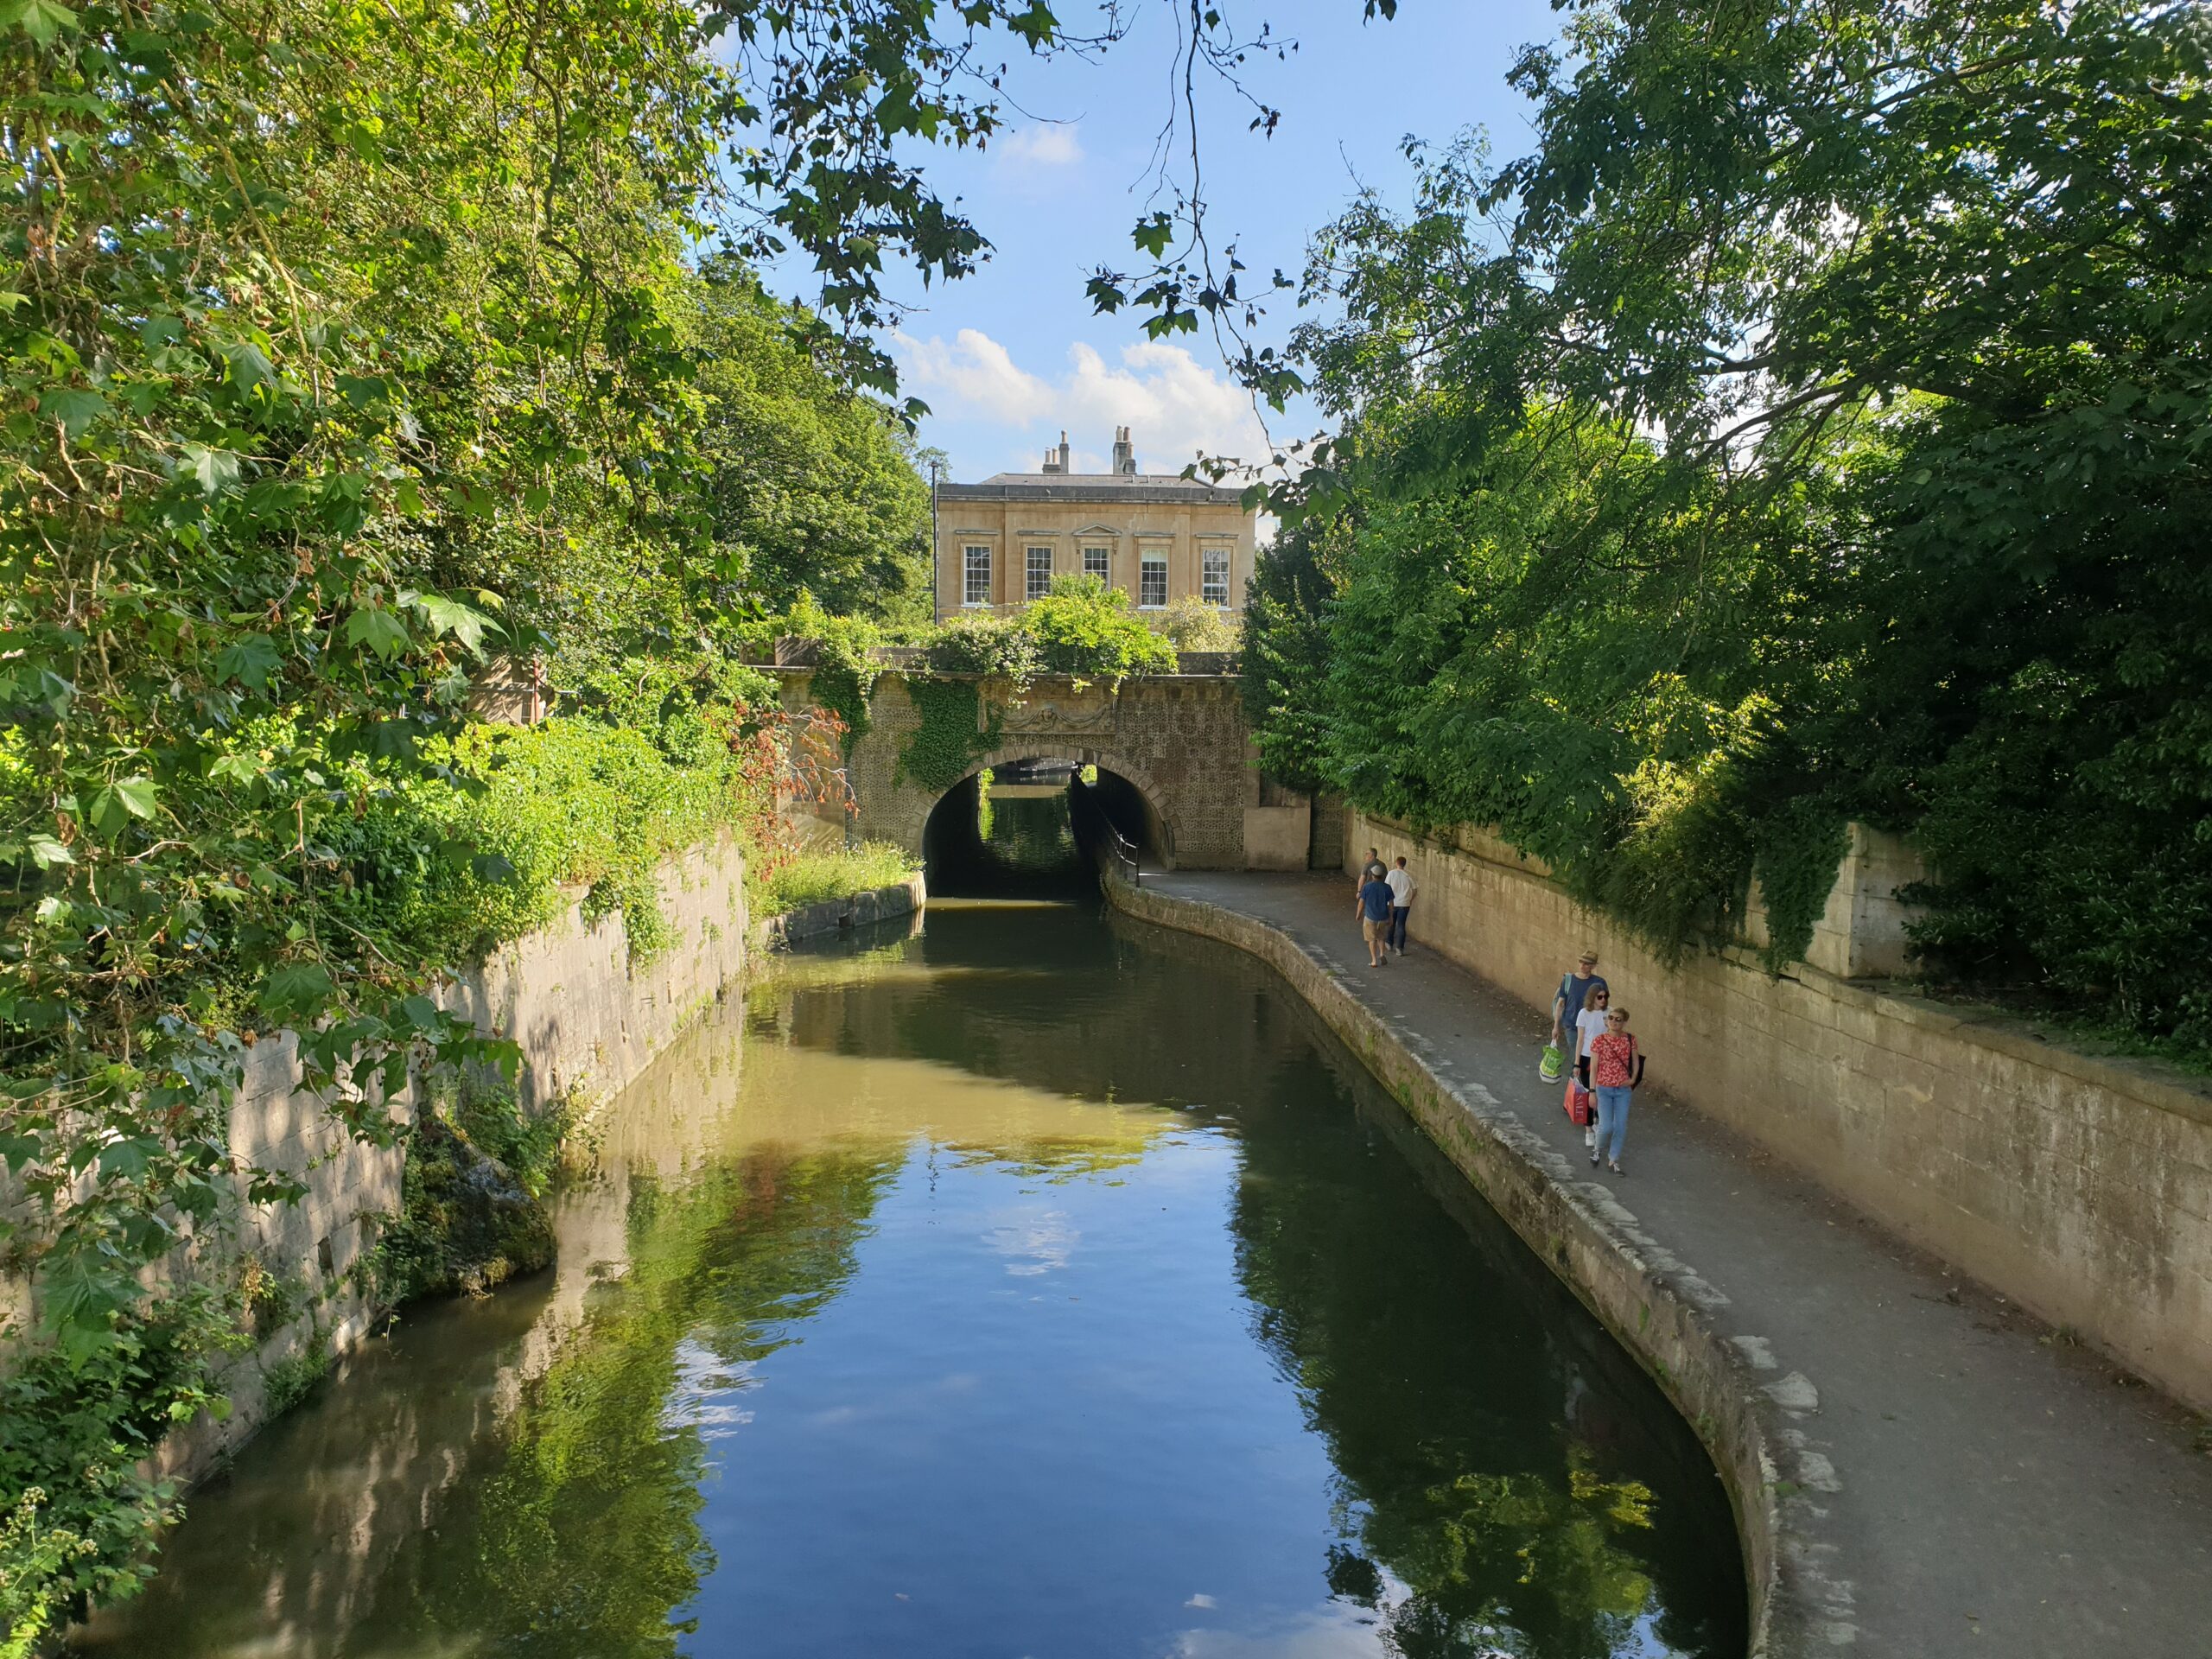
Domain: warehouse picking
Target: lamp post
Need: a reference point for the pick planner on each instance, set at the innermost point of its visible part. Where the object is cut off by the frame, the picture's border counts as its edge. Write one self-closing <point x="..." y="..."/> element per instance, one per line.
<point x="937" y="548"/>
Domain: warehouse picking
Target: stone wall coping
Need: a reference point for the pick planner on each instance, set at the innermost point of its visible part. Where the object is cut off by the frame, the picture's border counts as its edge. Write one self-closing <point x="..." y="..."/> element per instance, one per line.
<point x="2155" y="1083"/>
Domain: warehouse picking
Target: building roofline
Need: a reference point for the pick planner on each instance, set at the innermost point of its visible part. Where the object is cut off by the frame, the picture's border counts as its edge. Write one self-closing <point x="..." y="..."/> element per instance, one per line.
<point x="1099" y="487"/>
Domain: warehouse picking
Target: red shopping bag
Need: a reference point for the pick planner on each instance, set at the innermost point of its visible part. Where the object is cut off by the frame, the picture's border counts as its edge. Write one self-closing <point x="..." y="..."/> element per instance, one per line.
<point x="1582" y="1107"/>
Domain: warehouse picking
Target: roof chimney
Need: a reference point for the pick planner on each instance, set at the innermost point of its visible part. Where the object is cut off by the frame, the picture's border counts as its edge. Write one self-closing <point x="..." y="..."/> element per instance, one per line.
<point x="1053" y="463"/>
<point x="1125" y="453"/>
<point x="1062" y="467"/>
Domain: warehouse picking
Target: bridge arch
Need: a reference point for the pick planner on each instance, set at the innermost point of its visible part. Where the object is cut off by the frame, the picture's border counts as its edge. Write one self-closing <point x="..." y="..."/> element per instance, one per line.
<point x="1159" y="837"/>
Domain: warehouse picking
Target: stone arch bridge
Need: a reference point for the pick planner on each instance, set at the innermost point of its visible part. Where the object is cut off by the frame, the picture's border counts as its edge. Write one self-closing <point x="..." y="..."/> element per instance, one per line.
<point x="1179" y="741"/>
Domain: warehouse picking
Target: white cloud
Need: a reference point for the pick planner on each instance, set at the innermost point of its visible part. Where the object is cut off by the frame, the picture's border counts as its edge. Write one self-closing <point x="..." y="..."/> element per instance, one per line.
<point x="1177" y="407"/>
<point x="980" y="376"/>
<point x="1055" y="145"/>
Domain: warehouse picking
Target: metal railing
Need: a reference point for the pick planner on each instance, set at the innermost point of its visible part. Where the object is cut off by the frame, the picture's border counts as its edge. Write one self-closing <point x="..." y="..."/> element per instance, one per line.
<point x="1126" y="852"/>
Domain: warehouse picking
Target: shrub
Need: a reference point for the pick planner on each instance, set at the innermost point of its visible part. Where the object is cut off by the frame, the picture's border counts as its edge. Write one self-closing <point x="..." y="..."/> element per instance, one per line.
<point x="1191" y="623"/>
<point x="290" y="1380"/>
<point x="1084" y="628"/>
<point x="453" y="871"/>
<point x="1000" y="646"/>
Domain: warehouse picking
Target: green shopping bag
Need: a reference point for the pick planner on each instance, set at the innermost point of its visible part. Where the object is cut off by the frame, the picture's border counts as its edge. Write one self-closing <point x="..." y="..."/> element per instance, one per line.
<point x="1554" y="1064"/>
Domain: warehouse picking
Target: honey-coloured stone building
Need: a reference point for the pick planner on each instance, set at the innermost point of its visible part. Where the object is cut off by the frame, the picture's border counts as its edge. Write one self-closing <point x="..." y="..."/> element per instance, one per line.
<point x="1157" y="536"/>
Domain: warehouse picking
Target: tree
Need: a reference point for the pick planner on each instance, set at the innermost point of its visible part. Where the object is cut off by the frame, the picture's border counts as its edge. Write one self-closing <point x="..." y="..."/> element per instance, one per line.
<point x="810" y="486"/>
<point x="1877" y="339"/>
<point x="1286" y="652"/>
<point x="341" y="346"/>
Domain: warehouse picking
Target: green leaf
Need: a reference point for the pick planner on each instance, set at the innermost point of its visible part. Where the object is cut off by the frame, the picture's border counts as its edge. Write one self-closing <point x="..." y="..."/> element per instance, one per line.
<point x="46" y="852"/>
<point x="115" y="806"/>
<point x="250" y="367"/>
<point x="76" y="410"/>
<point x="124" y="1158"/>
<point x="40" y="19"/>
<point x="252" y="660"/>
<point x="362" y="391"/>
<point x="465" y="622"/>
<point x="380" y="632"/>
<point x="213" y="469"/>
<point x="296" y="992"/>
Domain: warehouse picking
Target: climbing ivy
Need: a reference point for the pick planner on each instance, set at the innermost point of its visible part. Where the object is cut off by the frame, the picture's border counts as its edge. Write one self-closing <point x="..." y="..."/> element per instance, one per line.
<point x="948" y="741"/>
<point x="841" y="651"/>
<point x="1799" y="849"/>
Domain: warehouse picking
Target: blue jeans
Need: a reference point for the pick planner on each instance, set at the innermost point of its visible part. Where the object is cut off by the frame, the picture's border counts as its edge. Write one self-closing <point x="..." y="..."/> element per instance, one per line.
<point x="1612" y="1120"/>
<point x="1396" y="937"/>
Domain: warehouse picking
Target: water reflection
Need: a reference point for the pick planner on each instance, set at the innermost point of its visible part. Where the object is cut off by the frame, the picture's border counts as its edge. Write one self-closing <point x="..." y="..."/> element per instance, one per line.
<point x="1040" y="1285"/>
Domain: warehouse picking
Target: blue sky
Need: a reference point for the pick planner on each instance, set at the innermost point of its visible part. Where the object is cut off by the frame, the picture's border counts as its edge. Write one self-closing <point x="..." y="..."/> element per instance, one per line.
<point x="1010" y="355"/>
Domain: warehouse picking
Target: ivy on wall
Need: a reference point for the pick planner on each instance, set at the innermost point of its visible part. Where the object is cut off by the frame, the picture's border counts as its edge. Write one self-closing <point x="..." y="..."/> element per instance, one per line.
<point x="952" y="736"/>
<point x="1799" y="850"/>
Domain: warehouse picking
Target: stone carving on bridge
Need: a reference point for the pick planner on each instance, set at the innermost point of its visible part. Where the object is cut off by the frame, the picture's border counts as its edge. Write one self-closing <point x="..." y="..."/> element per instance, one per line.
<point x="1061" y="714"/>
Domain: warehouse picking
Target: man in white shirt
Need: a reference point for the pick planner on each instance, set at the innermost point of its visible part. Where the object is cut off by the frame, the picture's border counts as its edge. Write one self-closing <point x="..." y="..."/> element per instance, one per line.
<point x="1401" y="900"/>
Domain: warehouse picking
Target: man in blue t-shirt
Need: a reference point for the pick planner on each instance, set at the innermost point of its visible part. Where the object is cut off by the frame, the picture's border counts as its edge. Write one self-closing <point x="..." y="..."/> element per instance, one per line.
<point x="1566" y="1001"/>
<point x="1373" y="912"/>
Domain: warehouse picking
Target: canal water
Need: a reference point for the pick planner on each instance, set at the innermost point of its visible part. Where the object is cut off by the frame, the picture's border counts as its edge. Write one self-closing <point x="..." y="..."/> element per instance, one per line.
<point x="1028" y="1283"/>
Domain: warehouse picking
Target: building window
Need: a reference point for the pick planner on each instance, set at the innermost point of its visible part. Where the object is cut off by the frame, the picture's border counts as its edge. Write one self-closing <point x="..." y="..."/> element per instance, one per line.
<point x="1097" y="561"/>
<point x="1040" y="572"/>
<point x="1152" y="579"/>
<point x="976" y="575"/>
<point x="1213" y="584"/>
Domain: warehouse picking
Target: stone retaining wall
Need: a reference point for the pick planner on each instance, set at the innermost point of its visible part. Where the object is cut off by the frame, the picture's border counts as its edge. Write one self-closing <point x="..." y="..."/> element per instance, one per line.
<point x="1650" y="1302"/>
<point x="586" y="1019"/>
<point x="2079" y="1187"/>
<point x="835" y="915"/>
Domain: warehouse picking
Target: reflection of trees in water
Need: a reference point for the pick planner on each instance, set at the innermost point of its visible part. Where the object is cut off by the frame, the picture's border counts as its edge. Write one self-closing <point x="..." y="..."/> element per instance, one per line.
<point x="1492" y="1497"/>
<point x="431" y="1506"/>
<point x="586" y="1537"/>
<point x="1491" y="1448"/>
<point x="987" y="842"/>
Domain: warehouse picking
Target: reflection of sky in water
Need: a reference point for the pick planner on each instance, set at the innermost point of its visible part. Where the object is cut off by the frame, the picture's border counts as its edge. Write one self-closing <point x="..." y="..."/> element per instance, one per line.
<point x="1035" y="1241"/>
<point x="705" y="1396"/>
<point x="1333" y="1629"/>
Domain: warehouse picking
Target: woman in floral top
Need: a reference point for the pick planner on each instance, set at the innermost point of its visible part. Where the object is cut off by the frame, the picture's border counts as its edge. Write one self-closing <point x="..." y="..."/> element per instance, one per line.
<point x="1615" y="1068"/>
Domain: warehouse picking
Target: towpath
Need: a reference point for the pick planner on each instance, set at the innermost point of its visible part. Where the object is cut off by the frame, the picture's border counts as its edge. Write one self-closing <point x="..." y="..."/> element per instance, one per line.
<point x="1994" y="1491"/>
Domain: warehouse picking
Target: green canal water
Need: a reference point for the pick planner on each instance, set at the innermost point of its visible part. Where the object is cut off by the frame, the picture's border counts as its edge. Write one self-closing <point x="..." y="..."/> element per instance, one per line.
<point x="1031" y="1284"/>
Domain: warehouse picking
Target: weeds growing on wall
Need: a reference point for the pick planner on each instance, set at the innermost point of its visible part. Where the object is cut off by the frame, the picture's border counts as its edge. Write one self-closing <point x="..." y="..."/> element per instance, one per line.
<point x="290" y="1380"/>
<point x="472" y="1212"/>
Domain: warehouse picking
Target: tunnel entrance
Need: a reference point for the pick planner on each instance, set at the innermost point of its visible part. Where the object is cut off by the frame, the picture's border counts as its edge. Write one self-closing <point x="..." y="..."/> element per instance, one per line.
<point x="1033" y="828"/>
